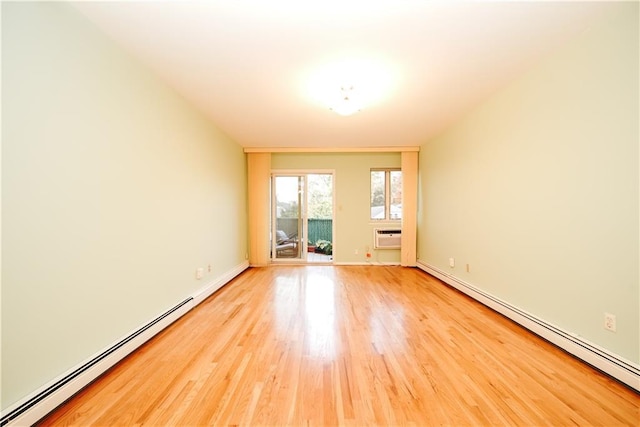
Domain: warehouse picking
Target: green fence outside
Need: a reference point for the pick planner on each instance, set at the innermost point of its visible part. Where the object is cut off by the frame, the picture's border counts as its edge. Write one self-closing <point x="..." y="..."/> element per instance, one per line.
<point x="319" y="229"/>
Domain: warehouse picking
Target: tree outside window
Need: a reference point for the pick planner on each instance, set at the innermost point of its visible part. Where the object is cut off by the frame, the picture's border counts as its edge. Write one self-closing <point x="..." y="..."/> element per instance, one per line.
<point x="386" y="194"/>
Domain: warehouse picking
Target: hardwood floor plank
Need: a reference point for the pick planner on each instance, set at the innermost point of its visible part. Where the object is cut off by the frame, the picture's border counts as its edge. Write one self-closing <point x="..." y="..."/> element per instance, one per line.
<point x="352" y="346"/>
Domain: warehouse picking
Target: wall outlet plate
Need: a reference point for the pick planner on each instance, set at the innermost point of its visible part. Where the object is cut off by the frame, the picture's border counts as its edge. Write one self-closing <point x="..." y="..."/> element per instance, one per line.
<point x="610" y="322"/>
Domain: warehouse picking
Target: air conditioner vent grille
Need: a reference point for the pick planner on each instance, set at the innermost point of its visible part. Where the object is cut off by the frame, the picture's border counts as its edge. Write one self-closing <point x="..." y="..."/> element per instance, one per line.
<point x="387" y="238"/>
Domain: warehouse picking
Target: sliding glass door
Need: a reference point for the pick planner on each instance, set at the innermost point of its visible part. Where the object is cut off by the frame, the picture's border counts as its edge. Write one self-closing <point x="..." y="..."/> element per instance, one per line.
<point x="302" y="217"/>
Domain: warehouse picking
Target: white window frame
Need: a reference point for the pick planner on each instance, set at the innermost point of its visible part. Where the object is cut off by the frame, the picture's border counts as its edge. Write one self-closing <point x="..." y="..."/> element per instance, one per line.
<point x="387" y="195"/>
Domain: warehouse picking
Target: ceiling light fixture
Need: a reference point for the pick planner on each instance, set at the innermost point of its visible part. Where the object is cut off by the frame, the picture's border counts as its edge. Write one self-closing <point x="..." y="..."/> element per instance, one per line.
<point x="347" y="104"/>
<point x="349" y="85"/>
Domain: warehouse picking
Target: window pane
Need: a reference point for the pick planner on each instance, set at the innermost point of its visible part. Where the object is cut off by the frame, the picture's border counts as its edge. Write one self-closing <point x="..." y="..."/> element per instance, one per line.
<point x="395" y="205"/>
<point x="377" y="194"/>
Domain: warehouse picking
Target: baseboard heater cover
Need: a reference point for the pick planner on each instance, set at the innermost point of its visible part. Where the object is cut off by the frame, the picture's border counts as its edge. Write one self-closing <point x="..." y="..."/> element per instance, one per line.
<point x="623" y="370"/>
<point x="34" y="407"/>
<point x="53" y="395"/>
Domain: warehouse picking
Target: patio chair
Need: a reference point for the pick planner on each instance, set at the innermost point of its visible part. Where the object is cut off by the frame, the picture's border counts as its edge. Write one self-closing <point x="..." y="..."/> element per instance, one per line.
<point x="286" y="246"/>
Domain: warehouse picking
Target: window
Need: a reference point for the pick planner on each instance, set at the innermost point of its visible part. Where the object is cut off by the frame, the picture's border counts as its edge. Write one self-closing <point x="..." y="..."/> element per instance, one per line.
<point x="386" y="194"/>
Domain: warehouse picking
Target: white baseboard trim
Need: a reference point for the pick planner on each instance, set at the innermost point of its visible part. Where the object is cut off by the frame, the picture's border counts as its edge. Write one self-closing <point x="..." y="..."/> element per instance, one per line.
<point x="623" y="370"/>
<point x="219" y="282"/>
<point x="38" y="404"/>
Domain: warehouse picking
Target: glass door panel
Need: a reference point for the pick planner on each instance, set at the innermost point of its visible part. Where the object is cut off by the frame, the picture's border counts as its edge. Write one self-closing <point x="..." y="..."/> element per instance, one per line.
<point x="319" y="217"/>
<point x="289" y="222"/>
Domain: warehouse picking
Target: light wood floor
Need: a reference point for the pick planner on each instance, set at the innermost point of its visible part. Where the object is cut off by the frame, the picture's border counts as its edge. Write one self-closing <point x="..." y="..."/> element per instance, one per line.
<point x="323" y="345"/>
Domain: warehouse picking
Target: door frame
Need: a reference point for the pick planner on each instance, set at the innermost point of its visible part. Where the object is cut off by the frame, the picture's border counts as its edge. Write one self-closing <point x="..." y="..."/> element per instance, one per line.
<point x="304" y="217"/>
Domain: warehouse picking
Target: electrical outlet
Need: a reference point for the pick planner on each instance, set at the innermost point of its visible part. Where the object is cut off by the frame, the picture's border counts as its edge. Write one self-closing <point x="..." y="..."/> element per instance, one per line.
<point x="610" y="322"/>
<point x="209" y="268"/>
<point x="355" y="252"/>
<point x="452" y="262"/>
<point x="199" y="273"/>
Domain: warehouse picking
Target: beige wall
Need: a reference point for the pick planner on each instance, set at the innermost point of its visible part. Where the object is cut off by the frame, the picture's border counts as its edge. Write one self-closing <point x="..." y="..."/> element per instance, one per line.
<point x="353" y="228"/>
<point x="114" y="190"/>
<point x="259" y="201"/>
<point x="537" y="189"/>
<point x="409" y="161"/>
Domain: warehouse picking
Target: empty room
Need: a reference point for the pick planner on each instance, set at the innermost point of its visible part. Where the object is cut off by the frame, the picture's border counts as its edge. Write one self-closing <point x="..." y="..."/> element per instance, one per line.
<point x="320" y="213"/>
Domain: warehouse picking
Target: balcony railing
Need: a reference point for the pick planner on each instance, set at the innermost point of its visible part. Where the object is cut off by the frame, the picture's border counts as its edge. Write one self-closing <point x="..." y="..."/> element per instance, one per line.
<point x="319" y="229"/>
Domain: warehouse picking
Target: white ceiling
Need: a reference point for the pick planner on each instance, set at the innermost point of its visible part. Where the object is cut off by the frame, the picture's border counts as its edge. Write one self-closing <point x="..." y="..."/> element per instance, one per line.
<point x="246" y="63"/>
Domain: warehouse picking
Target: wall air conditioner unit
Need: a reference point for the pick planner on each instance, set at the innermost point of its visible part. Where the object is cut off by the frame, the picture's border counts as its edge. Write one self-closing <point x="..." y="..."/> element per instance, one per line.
<point x="387" y="238"/>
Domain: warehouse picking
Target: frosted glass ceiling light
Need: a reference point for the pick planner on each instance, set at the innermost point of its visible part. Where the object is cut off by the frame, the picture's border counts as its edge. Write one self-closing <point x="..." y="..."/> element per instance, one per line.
<point x="347" y="104"/>
<point x="349" y="85"/>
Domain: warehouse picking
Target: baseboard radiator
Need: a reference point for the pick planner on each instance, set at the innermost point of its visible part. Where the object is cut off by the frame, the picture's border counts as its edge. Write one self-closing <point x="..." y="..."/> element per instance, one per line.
<point x="601" y="359"/>
<point x="37" y="405"/>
